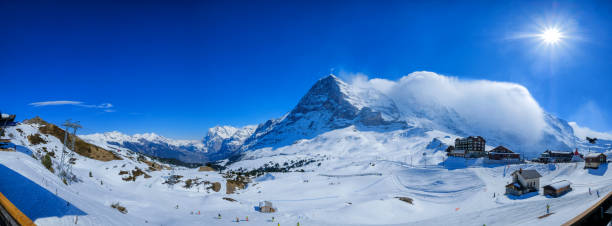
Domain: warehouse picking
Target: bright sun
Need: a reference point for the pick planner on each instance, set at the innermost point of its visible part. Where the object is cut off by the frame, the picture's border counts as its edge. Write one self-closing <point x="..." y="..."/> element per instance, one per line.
<point x="551" y="36"/>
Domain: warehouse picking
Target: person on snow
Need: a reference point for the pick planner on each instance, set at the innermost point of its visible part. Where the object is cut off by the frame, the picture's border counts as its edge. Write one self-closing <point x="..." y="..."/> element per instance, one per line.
<point x="237" y="219"/>
<point x="272" y="219"/>
<point x="219" y="216"/>
<point x="547" y="209"/>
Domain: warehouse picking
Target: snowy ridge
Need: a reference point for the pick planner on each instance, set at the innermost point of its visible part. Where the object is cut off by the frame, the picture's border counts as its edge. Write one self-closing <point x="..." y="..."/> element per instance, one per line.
<point x="151" y="144"/>
<point x="219" y="143"/>
<point x="330" y="104"/>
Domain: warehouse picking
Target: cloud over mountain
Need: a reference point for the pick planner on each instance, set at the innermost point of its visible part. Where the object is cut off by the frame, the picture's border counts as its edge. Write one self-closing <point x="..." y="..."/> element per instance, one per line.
<point x="485" y="107"/>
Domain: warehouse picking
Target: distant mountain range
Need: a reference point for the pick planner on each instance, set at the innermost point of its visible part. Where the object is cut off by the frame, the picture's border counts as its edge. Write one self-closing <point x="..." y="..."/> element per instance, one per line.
<point x="332" y="104"/>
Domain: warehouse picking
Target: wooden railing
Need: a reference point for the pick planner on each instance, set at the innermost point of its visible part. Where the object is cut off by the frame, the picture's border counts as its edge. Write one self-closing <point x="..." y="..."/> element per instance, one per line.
<point x="594" y="215"/>
<point x="11" y="215"/>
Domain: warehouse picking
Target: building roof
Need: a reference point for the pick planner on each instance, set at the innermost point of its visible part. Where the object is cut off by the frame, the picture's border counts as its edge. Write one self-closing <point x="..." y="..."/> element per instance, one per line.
<point x="562" y="152"/>
<point x="528" y="174"/>
<point x="471" y="138"/>
<point x="593" y="155"/>
<point x="514" y="185"/>
<point x="265" y="203"/>
<point x="559" y="184"/>
<point x="501" y="149"/>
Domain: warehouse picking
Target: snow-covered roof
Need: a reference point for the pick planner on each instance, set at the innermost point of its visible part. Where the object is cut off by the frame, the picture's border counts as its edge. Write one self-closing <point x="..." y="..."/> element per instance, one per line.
<point x="5" y="115"/>
<point x="593" y="155"/>
<point x="265" y="203"/>
<point x="562" y="152"/>
<point x="560" y="184"/>
<point x="528" y="174"/>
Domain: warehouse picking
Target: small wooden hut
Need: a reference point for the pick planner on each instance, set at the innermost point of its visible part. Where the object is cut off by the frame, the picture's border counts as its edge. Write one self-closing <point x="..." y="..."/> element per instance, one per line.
<point x="558" y="188"/>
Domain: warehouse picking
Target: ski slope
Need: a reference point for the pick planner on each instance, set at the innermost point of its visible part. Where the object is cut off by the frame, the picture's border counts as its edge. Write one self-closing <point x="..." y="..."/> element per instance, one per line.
<point x="442" y="196"/>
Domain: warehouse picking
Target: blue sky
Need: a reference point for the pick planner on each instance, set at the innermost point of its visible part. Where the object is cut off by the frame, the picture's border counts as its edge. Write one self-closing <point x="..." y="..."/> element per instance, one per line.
<point x="177" y="68"/>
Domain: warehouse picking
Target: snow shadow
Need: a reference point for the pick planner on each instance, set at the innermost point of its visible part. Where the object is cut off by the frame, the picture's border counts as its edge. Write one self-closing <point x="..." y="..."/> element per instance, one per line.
<point x="453" y="163"/>
<point x="23" y="149"/>
<point x="33" y="200"/>
<point x="599" y="171"/>
<point x="523" y="196"/>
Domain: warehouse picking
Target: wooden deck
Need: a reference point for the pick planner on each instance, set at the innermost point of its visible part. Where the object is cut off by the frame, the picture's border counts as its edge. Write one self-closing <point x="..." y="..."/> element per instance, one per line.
<point x="11" y="215"/>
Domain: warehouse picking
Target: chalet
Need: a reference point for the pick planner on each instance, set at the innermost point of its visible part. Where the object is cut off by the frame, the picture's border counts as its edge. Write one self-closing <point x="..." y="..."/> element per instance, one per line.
<point x="593" y="160"/>
<point x="474" y="146"/>
<point x="266" y="207"/>
<point x="524" y="181"/>
<point x="501" y="153"/>
<point x="556" y="156"/>
<point x="558" y="188"/>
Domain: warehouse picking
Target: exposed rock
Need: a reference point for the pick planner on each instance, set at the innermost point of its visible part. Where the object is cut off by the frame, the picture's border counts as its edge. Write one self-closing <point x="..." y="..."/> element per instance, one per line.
<point x="205" y="168"/>
<point x="216" y="186"/>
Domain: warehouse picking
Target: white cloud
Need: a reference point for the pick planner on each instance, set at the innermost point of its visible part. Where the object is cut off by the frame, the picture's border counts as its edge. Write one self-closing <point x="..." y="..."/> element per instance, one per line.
<point x="583" y="132"/>
<point x="106" y="106"/>
<point x="488" y="108"/>
<point x="55" y="102"/>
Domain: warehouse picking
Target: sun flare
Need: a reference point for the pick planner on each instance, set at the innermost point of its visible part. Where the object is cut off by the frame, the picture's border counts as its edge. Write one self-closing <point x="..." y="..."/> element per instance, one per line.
<point x="551" y="36"/>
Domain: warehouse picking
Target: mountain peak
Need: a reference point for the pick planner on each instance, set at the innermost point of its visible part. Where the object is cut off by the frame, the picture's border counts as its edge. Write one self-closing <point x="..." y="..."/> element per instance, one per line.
<point x="329" y="104"/>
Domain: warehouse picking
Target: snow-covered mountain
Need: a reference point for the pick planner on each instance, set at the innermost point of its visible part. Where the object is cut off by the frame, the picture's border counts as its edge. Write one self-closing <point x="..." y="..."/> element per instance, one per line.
<point x="224" y="141"/>
<point x="421" y="100"/>
<point x="219" y="143"/>
<point x="334" y="104"/>
<point x="151" y="144"/>
<point x="330" y="104"/>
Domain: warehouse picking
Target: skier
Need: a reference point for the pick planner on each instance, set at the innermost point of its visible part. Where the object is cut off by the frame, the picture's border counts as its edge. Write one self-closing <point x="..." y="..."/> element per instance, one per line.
<point x="547" y="209"/>
<point x="590" y="191"/>
<point x="247" y="218"/>
<point x="273" y="219"/>
<point x="237" y="220"/>
<point x="219" y="216"/>
<point x="597" y="193"/>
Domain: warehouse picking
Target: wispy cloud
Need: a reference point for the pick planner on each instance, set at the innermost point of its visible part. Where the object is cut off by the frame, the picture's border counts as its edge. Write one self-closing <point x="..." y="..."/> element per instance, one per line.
<point x="55" y="102"/>
<point x="106" y="106"/>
